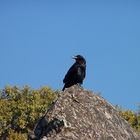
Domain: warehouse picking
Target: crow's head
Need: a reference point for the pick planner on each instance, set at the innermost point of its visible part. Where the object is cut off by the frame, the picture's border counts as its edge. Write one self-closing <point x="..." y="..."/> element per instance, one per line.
<point x="79" y="59"/>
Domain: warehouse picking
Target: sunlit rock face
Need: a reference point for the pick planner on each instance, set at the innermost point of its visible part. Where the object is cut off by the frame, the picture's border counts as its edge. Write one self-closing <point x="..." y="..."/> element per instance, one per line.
<point x="79" y="114"/>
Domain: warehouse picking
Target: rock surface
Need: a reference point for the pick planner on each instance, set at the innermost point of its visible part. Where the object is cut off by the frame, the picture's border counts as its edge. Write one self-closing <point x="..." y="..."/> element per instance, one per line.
<point x="79" y="114"/>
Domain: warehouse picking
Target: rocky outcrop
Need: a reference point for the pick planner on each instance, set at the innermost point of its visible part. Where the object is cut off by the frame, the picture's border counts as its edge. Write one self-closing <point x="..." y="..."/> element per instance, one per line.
<point x="79" y="114"/>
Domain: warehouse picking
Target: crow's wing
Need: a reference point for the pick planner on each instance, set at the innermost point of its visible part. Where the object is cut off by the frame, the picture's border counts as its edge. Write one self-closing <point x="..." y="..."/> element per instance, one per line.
<point x="81" y="73"/>
<point x="75" y="74"/>
<point x="70" y="74"/>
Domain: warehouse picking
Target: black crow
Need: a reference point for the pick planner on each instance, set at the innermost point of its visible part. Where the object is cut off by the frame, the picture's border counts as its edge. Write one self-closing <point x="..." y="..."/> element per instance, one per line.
<point x="76" y="73"/>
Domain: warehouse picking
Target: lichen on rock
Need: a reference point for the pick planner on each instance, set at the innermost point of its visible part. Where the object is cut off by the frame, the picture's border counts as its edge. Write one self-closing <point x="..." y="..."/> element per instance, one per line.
<point x="81" y="114"/>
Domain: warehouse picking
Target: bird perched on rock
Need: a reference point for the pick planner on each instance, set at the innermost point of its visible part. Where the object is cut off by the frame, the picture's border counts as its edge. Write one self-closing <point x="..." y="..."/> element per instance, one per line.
<point x="76" y="73"/>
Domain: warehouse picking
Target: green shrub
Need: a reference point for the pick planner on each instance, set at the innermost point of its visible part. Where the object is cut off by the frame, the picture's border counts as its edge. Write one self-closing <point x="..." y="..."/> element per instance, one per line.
<point x="132" y="117"/>
<point x="20" y="109"/>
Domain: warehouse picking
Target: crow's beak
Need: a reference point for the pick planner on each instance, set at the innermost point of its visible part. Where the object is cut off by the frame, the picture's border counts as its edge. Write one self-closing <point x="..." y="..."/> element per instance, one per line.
<point x="74" y="57"/>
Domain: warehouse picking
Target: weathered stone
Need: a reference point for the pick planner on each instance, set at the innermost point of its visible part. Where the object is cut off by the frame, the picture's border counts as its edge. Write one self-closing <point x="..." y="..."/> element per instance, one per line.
<point x="79" y="114"/>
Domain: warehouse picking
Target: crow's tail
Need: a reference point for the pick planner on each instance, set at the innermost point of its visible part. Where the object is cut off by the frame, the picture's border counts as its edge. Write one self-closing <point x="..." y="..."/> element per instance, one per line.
<point x="64" y="88"/>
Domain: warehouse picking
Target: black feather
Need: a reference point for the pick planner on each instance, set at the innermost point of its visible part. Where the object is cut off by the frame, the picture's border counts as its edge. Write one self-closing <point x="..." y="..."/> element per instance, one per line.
<point x="76" y="73"/>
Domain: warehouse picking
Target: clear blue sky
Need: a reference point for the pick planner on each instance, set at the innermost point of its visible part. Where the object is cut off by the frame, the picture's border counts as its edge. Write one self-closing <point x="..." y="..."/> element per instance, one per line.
<point x="38" y="38"/>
